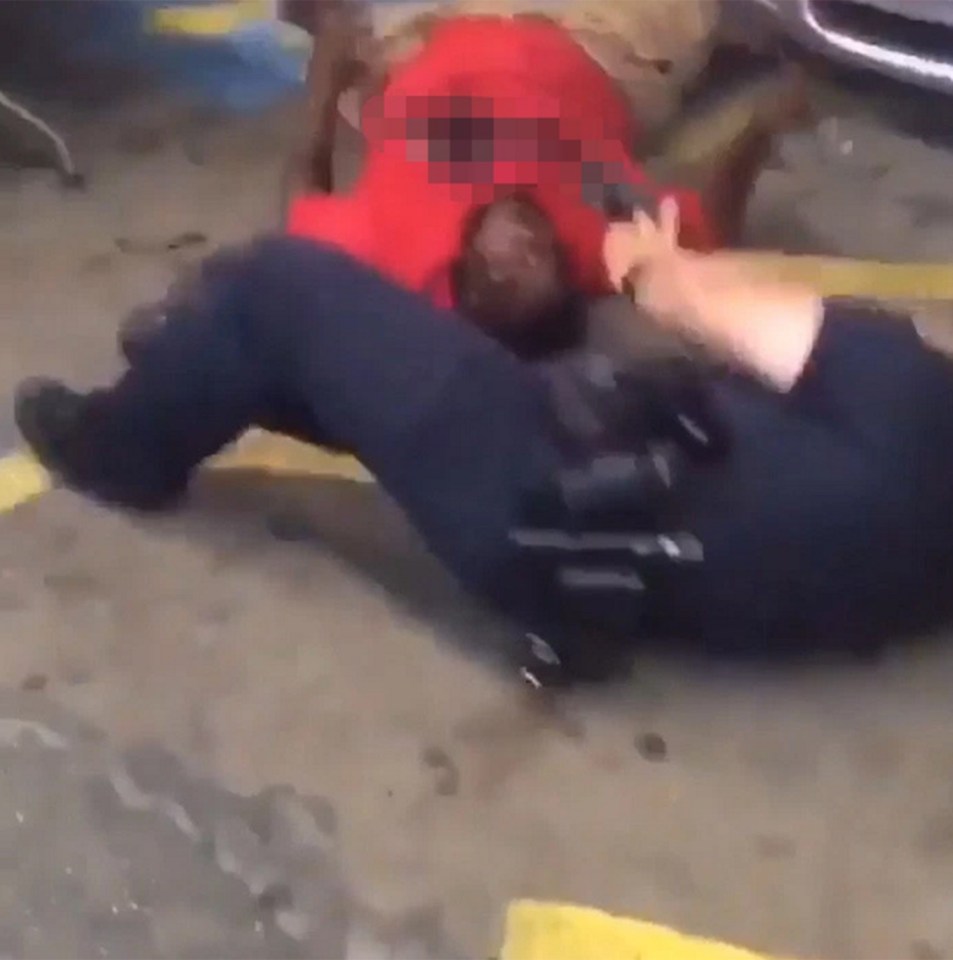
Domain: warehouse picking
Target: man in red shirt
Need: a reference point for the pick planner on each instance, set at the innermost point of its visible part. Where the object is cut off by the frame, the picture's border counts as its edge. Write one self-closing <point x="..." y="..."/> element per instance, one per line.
<point x="454" y="130"/>
<point x="531" y="123"/>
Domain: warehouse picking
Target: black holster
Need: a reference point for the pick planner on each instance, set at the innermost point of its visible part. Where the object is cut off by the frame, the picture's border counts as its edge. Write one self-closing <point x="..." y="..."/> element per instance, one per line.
<point x="590" y="537"/>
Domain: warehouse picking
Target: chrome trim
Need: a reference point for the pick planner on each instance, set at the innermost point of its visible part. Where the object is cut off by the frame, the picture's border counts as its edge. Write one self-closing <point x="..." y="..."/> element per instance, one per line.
<point x="889" y="59"/>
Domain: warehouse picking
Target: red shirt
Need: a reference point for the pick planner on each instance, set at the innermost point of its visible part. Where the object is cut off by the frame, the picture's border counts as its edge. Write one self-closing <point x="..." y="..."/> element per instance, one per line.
<point x="539" y="115"/>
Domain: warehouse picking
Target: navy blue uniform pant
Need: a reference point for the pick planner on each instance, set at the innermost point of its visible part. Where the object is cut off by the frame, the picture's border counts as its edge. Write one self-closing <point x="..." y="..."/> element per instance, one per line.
<point x="831" y="519"/>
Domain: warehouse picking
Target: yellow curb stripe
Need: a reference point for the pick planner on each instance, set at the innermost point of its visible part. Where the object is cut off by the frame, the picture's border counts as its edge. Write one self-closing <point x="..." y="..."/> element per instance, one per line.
<point x="208" y="20"/>
<point x="21" y="479"/>
<point x="844" y="277"/>
<point x="537" y="930"/>
<point x="272" y="453"/>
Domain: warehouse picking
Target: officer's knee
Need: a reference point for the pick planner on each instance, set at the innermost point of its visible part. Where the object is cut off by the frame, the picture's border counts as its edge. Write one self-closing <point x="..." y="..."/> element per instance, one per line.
<point x="137" y="331"/>
<point x="281" y="257"/>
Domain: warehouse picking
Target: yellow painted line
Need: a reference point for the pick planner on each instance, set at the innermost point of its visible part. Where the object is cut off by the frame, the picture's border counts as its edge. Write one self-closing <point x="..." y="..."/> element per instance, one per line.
<point x="271" y="453"/>
<point x="844" y="277"/>
<point x="21" y="479"/>
<point x="537" y="930"/>
<point x="208" y="20"/>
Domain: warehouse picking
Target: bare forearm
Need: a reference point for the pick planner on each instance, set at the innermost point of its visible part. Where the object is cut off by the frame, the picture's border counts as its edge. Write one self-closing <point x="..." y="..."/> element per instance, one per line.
<point x="763" y="326"/>
<point x="776" y="342"/>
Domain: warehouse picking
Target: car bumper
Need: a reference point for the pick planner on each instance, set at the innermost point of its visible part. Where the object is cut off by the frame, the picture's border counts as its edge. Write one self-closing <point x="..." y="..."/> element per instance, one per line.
<point x="911" y="40"/>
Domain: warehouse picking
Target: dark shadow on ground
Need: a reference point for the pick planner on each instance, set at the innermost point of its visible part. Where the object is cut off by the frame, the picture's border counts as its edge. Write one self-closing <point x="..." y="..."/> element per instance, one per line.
<point x="249" y="514"/>
<point x="908" y="109"/>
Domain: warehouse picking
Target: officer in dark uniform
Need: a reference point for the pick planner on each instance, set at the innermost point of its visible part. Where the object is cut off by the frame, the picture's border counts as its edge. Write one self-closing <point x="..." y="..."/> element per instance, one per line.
<point x="801" y="495"/>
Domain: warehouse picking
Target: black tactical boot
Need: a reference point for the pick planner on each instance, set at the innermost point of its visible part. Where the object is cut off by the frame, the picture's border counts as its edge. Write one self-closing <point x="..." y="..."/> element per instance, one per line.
<point x="60" y="427"/>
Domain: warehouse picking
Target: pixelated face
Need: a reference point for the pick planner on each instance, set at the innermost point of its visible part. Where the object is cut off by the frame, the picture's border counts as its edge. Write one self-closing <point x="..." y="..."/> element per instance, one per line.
<point x="464" y="140"/>
<point x="473" y="142"/>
